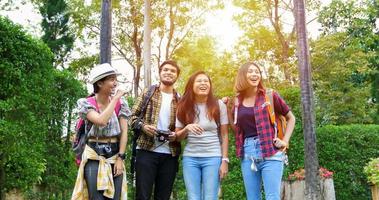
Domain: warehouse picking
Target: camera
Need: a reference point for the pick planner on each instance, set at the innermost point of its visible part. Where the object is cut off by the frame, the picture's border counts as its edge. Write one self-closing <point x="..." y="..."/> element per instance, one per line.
<point x="163" y="135"/>
<point x="103" y="149"/>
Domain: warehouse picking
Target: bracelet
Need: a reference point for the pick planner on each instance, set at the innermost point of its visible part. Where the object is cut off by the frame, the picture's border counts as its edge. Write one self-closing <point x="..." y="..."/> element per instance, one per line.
<point x="225" y="159"/>
<point x="121" y="155"/>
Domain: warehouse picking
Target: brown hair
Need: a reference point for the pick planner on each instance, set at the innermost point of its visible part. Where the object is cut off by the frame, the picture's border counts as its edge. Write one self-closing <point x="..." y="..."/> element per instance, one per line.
<point x="170" y="62"/>
<point x="241" y="83"/>
<point x="186" y="112"/>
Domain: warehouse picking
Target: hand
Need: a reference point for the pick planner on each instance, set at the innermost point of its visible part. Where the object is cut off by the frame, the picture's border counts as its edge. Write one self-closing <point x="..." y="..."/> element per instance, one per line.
<point x="118" y="167"/>
<point x="172" y="137"/>
<point x="225" y="100"/>
<point x="149" y="130"/>
<point x="120" y="93"/>
<point x="223" y="169"/>
<point x="278" y="143"/>
<point x="194" y="128"/>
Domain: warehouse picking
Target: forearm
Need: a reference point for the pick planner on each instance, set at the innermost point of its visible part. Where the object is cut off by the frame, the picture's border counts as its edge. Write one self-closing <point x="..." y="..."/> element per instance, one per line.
<point x="290" y="126"/>
<point x="225" y="141"/>
<point x="108" y="112"/>
<point x="181" y="133"/>
<point x="124" y="135"/>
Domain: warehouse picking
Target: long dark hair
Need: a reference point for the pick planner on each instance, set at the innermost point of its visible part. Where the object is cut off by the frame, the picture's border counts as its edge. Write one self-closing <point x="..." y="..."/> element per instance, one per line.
<point x="186" y="112"/>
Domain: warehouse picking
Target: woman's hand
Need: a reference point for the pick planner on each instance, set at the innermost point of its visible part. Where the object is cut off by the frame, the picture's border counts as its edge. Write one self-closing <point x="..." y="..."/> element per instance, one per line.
<point x="223" y="169"/>
<point x="280" y="144"/>
<point x="194" y="128"/>
<point x="118" y="167"/>
<point x="225" y="100"/>
<point x="120" y="93"/>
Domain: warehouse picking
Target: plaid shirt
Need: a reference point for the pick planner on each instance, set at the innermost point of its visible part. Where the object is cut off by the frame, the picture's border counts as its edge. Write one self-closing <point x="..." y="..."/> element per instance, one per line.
<point x="104" y="177"/>
<point x="144" y="141"/>
<point x="264" y="128"/>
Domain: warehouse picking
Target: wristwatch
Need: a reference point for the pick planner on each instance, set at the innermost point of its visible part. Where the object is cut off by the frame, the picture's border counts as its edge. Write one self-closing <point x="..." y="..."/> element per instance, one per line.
<point x="225" y="159"/>
<point x="121" y="155"/>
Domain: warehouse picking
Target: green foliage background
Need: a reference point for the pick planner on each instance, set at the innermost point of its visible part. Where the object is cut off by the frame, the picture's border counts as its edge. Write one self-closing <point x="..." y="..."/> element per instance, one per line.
<point x="343" y="150"/>
<point x="33" y="102"/>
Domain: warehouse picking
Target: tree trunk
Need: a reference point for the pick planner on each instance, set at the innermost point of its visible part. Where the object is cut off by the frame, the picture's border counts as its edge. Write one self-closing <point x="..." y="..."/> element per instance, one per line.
<point x="312" y="183"/>
<point x="171" y="32"/>
<point x="147" y="44"/>
<point x="137" y="48"/>
<point x="106" y="32"/>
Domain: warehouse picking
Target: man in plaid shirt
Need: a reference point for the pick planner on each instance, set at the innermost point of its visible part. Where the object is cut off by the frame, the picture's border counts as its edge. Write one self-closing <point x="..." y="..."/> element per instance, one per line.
<point x="157" y="158"/>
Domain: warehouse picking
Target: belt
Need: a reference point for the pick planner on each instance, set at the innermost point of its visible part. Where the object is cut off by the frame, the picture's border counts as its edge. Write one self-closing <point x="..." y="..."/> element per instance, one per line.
<point x="103" y="139"/>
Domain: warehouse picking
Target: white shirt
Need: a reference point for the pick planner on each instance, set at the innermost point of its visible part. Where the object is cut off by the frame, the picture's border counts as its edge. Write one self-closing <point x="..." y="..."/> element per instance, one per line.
<point x="164" y="122"/>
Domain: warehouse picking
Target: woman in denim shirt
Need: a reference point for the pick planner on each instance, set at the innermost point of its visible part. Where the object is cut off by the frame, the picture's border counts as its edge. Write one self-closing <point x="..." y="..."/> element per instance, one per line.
<point x="256" y="144"/>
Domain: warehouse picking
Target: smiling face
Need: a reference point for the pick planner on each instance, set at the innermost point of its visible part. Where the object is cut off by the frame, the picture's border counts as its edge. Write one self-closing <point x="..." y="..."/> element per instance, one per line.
<point x="253" y="76"/>
<point x="168" y="74"/>
<point x="201" y="85"/>
<point x="108" y="84"/>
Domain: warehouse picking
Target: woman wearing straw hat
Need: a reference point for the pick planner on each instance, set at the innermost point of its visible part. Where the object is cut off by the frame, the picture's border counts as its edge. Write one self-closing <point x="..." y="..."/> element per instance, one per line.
<point x="102" y="171"/>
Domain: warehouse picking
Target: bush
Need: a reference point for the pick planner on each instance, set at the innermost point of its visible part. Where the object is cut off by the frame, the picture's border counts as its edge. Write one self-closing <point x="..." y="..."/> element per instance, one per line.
<point x="25" y="74"/>
<point x="33" y="102"/>
<point x="372" y="171"/>
<point x="343" y="150"/>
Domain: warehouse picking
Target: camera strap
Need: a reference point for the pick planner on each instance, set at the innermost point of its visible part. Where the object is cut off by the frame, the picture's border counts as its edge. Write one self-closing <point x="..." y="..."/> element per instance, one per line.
<point x="159" y="145"/>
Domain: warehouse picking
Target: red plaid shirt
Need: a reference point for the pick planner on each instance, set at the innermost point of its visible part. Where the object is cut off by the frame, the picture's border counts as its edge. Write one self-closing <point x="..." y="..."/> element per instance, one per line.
<point x="264" y="128"/>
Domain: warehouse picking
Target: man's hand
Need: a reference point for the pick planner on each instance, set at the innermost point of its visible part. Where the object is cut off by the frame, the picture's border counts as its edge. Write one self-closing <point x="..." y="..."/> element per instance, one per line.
<point x="172" y="137"/>
<point x="149" y="130"/>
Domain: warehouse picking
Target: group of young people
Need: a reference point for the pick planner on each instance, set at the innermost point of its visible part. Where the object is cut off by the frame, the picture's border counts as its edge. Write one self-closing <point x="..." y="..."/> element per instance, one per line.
<point x="197" y="117"/>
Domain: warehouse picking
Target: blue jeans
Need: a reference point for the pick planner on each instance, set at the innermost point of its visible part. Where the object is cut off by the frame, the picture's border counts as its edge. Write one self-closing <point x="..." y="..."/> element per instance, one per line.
<point x="270" y="170"/>
<point x="201" y="177"/>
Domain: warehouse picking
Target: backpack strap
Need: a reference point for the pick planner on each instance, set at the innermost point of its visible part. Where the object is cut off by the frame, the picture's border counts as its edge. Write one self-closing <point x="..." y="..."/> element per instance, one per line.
<point x="236" y="105"/>
<point x="117" y="108"/>
<point x="218" y="123"/>
<point x="146" y="100"/>
<point x="269" y="101"/>
<point x="93" y="102"/>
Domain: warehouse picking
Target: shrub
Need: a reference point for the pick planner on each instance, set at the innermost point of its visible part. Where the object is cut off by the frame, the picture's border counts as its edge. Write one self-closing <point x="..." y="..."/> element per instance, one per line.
<point x="34" y="101"/>
<point x="372" y="171"/>
<point x="341" y="149"/>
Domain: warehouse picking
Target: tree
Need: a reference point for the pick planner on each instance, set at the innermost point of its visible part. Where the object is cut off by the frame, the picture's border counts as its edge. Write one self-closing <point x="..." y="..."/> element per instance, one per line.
<point x="106" y="32"/>
<point x="270" y="33"/>
<point x="358" y="19"/>
<point x="147" y="43"/>
<point x="312" y="182"/>
<point x="128" y="31"/>
<point x="341" y="80"/>
<point x="56" y="30"/>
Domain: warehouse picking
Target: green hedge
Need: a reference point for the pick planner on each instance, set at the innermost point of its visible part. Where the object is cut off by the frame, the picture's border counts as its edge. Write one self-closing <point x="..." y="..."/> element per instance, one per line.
<point x="344" y="150"/>
<point x="34" y="100"/>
